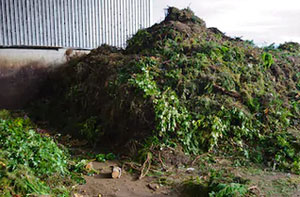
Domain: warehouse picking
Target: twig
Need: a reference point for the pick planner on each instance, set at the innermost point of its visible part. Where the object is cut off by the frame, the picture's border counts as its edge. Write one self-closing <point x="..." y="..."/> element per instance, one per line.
<point x="197" y="158"/>
<point x="162" y="163"/>
<point x="132" y="165"/>
<point x="255" y="188"/>
<point x="148" y="160"/>
<point x="229" y="93"/>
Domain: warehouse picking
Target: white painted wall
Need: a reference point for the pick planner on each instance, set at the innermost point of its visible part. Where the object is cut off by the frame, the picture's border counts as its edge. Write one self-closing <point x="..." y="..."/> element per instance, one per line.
<point x="47" y="57"/>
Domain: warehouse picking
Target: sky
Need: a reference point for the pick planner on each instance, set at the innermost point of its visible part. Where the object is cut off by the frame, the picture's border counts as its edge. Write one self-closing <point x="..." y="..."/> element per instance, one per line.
<point x="263" y="21"/>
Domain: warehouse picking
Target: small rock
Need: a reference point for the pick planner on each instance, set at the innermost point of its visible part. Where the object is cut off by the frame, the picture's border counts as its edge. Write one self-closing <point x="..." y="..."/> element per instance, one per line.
<point x="116" y="172"/>
<point x="189" y="170"/>
<point x="77" y="195"/>
<point x="153" y="186"/>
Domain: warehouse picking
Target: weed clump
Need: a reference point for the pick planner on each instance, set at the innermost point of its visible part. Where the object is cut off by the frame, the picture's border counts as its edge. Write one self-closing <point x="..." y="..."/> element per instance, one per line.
<point x="179" y="84"/>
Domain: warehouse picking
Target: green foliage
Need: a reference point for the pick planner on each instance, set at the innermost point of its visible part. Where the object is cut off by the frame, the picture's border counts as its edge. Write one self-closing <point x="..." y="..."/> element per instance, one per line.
<point x="178" y="84"/>
<point x="298" y="80"/>
<point x="229" y="190"/>
<point x="29" y="161"/>
<point x="90" y="129"/>
<point x="141" y="38"/>
<point x="292" y="47"/>
<point x="219" y="184"/>
<point x="199" y="130"/>
<point x="267" y="59"/>
<point x="104" y="157"/>
<point x="22" y="145"/>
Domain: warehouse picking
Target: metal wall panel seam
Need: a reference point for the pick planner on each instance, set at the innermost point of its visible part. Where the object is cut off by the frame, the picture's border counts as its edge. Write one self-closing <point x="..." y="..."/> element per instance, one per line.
<point x="87" y="24"/>
<point x="129" y="4"/>
<point x="132" y="18"/>
<point x="109" y="22"/>
<point x="100" y="5"/>
<point x="97" y="18"/>
<point x="84" y="24"/>
<point x="69" y="24"/>
<point x="145" y="14"/>
<point x="8" y="23"/>
<point x="58" y="14"/>
<point x="17" y="29"/>
<point x="54" y="21"/>
<point x="1" y="25"/>
<point x="65" y="22"/>
<point x="122" y="23"/>
<point x="138" y="13"/>
<point x="79" y="22"/>
<point x="25" y="22"/>
<point x="2" y="22"/>
<point x="13" y="24"/>
<point x="141" y="12"/>
<point x="73" y="23"/>
<point x="28" y="22"/>
<point x="119" y="24"/>
<point x="43" y="23"/>
<point x="40" y="33"/>
<point x="127" y="19"/>
<point x="151" y="12"/>
<point x="103" y="22"/>
<point x="34" y="19"/>
<point x="114" y="33"/>
<point x="37" y="23"/>
<point x="76" y="23"/>
<point x="94" y="24"/>
<point x="90" y="21"/>
<point x="33" y="25"/>
<point x="52" y="24"/>
<point x="112" y="24"/>
<point x="94" y="35"/>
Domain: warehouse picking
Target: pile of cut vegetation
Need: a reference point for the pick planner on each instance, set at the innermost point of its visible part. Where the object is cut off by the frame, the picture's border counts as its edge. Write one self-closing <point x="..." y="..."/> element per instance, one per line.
<point x="180" y="84"/>
<point x="31" y="163"/>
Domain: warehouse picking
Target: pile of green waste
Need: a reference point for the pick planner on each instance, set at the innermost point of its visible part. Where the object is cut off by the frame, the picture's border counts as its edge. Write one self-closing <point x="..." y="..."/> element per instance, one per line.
<point x="180" y="84"/>
<point x="31" y="163"/>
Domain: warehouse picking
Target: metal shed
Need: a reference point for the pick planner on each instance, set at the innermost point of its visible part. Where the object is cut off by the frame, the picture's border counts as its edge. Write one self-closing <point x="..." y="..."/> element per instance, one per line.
<point x="80" y="24"/>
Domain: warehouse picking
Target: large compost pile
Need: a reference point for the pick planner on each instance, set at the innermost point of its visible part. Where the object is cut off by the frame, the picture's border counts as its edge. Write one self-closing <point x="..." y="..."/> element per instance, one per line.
<point x="180" y="84"/>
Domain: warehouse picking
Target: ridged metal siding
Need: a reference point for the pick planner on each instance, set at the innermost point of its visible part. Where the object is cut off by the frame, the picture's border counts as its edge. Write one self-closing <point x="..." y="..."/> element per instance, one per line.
<point x="83" y="24"/>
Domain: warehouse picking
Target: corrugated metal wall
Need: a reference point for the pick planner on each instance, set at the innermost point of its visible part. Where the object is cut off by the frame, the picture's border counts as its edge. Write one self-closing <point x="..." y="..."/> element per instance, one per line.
<point x="81" y="24"/>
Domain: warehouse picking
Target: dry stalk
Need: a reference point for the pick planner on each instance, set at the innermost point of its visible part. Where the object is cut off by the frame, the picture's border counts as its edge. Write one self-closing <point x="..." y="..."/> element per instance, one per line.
<point x="148" y="161"/>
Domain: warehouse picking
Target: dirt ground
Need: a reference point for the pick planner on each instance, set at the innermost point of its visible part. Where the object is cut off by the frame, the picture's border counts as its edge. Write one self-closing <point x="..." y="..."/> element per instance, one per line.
<point x="127" y="186"/>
